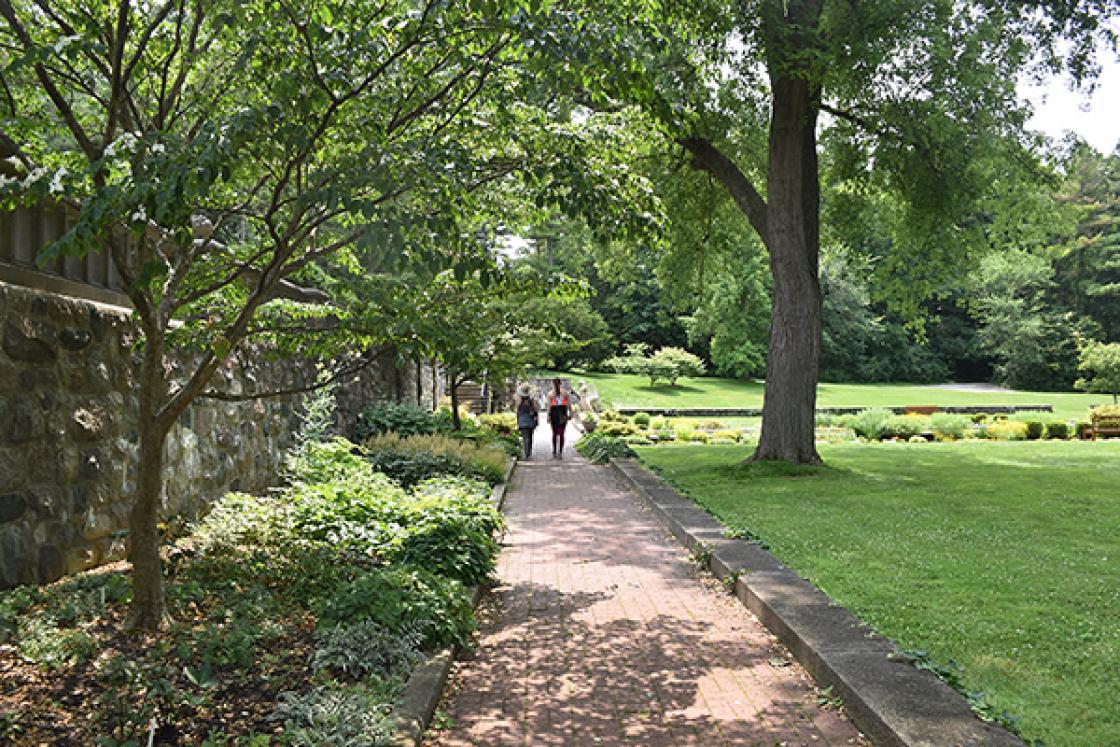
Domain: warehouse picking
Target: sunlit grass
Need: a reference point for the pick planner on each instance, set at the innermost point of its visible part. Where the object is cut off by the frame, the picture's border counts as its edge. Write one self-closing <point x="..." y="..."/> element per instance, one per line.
<point x="1001" y="556"/>
<point x="627" y="390"/>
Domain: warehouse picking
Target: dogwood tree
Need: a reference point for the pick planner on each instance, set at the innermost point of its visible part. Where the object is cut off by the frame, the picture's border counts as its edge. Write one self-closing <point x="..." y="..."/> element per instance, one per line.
<point x="239" y="161"/>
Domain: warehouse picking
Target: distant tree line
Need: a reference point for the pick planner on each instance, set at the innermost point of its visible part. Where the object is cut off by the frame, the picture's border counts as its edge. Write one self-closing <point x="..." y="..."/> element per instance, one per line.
<point x="1046" y="285"/>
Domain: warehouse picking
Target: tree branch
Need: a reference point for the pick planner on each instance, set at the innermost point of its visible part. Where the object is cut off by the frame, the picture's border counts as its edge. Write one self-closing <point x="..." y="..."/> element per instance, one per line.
<point x="56" y="97"/>
<point x="707" y="157"/>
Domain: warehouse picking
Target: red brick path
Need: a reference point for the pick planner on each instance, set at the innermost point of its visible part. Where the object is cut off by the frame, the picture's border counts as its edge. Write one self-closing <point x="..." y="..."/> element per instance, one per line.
<point x="603" y="633"/>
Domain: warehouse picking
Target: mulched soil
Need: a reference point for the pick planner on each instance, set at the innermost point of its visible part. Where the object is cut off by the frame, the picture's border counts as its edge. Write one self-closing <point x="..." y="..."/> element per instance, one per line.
<point x="75" y="706"/>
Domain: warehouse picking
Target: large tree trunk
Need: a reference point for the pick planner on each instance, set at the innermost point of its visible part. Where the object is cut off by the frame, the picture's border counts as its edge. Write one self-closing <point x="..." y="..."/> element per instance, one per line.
<point x="793" y="240"/>
<point x="148" y="611"/>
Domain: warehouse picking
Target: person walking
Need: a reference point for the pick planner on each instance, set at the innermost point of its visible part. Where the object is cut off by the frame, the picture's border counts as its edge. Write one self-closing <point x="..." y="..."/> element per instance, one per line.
<point x="527" y="420"/>
<point x="559" y="412"/>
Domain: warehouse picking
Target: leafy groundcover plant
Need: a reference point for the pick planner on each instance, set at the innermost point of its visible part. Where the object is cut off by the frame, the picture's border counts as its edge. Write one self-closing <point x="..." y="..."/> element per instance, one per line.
<point x="598" y="448"/>
<point x="296" y="617"/>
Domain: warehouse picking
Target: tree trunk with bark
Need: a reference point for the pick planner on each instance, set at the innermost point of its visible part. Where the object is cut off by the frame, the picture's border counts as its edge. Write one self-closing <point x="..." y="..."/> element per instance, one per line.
<point x="453" y="383"/>
<point x="148" y="611"/>
<point x="793" y="224"/>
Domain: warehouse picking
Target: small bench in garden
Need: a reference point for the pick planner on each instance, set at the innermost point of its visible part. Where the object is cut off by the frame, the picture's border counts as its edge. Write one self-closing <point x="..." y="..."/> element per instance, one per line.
<point x="1104" y="425"/>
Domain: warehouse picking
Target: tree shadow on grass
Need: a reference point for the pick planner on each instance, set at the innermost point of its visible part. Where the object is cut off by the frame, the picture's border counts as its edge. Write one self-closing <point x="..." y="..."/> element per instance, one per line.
<point x="670" y="390"/>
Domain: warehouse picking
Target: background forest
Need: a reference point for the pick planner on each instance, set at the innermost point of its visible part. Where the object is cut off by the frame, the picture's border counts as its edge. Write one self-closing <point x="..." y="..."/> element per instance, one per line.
<point x="1043" y="277"/>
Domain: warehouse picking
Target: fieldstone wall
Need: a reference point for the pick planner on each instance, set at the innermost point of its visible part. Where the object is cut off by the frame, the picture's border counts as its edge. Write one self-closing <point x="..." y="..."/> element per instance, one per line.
<point x="68" y="441"/>
<point x="391" y="377"/>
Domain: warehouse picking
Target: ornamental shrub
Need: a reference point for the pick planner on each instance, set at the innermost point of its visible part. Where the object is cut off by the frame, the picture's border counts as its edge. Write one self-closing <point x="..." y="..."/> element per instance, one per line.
<point x="450" y="527"/>
<point x="1035" y="429"/>
<point x="502" y="423"/>
<point x="870" y="424"/>
<point x="617" y="428"/>
<point x="395" y="417"/>
<point x="904" y="426"/>
<point x="1057" y="429"/>
<point x="598" y="448"/>
<point x="1007" y="430"/>
<point x="669" y="364"/>
<point x="632" y="361"/>
<point x="402" y="599"/>
<point x="1105" y="416"/>
<point x="946" y="425"/>
<point x="327" y="461"/>
<point x="416" y="458"/>
<point x="641" y="419"/>
<point x="727" y="435"/>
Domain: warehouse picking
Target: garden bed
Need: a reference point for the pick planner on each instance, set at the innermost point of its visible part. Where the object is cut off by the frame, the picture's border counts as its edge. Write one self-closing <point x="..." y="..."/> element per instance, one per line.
<point x="296" y="618"/>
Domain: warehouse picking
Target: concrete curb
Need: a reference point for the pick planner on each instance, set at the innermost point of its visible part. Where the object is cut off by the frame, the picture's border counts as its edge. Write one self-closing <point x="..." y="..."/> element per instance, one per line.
<point x="893" y="703"/>
<point x="425" y="685"/>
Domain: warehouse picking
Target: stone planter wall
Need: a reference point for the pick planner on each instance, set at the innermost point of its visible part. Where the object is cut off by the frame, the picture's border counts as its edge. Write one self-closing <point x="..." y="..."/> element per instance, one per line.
<point x="68" y="442"/>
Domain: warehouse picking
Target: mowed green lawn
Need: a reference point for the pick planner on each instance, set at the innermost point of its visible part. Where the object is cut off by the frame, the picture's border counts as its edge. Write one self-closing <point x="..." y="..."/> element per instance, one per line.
<point x="1001" y="556"/>
<point x="627" y="390"/>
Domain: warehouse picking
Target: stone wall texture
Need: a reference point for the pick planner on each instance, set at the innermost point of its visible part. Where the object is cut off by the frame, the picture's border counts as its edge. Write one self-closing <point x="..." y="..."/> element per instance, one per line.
<point x="68" y="441"/>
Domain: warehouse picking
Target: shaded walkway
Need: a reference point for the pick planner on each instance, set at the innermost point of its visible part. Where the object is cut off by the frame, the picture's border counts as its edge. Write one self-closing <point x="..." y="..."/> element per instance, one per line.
<point x="603" y="633"/>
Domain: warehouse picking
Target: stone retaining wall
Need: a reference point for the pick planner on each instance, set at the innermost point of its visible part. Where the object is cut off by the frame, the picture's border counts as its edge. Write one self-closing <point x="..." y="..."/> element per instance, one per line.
<point x="68" y="441"/>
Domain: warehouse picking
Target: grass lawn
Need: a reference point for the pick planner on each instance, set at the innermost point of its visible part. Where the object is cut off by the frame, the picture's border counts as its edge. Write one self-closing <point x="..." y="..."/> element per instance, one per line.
<point x="627" y="390"/>
<point x="1003" y="557"/>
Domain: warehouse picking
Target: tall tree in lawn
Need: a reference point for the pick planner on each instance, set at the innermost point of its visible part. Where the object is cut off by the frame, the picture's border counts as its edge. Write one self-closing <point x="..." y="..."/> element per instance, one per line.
<point x="1101" y="364"/>
<point x="917" y="97"/>
<point x="226" y="153"/>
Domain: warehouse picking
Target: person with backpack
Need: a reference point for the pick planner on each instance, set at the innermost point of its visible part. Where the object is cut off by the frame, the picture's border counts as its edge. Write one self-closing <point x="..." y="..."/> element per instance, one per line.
<point x="559" y="412"/>
<point x="527" y="420"/>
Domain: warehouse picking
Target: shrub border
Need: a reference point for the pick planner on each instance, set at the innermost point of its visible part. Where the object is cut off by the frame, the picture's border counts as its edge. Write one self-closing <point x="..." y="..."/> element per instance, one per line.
<point x="425" y="686"/>
<point x="893" y="703"/>
<point x="754" y="412"/>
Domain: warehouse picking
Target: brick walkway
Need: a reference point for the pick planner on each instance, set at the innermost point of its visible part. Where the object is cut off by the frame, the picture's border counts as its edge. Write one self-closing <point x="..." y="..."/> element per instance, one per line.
<point x="603" y="633"/>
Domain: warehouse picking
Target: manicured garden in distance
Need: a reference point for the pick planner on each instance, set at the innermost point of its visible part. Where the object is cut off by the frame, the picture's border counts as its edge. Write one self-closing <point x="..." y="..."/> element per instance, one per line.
<point x="998" y="560"/>
<point x="629" y="390"/>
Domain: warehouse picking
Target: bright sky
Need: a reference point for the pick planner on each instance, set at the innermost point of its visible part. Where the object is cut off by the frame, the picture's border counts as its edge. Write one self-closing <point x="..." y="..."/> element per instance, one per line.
<point x="1096" y="118"/>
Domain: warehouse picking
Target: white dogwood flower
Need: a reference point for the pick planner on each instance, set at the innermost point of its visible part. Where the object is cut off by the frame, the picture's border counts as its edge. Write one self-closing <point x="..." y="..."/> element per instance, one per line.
<point x="56" y="182"/>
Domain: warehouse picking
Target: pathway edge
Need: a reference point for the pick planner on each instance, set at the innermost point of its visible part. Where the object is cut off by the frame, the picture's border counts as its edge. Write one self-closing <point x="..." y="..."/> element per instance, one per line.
<point x="425" y="685"/>
<point x="893" y="703"/>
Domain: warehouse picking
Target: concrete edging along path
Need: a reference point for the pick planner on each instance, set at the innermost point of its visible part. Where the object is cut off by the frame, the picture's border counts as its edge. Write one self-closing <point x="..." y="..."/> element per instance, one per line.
<point x="892" y="702"/>
<point x="425" y="685"/>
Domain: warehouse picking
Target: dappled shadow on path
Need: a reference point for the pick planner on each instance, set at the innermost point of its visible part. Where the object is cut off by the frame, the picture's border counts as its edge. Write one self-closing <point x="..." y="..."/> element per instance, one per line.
<point x="573" y="669"/>
<point x="593" y="523"/>
<point x="601" y="634"/>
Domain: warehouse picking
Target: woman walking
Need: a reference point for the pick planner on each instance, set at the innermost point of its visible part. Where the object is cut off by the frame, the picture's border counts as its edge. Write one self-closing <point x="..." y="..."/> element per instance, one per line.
<point x="559" y="412"/>
<point x="527" y="420"/>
